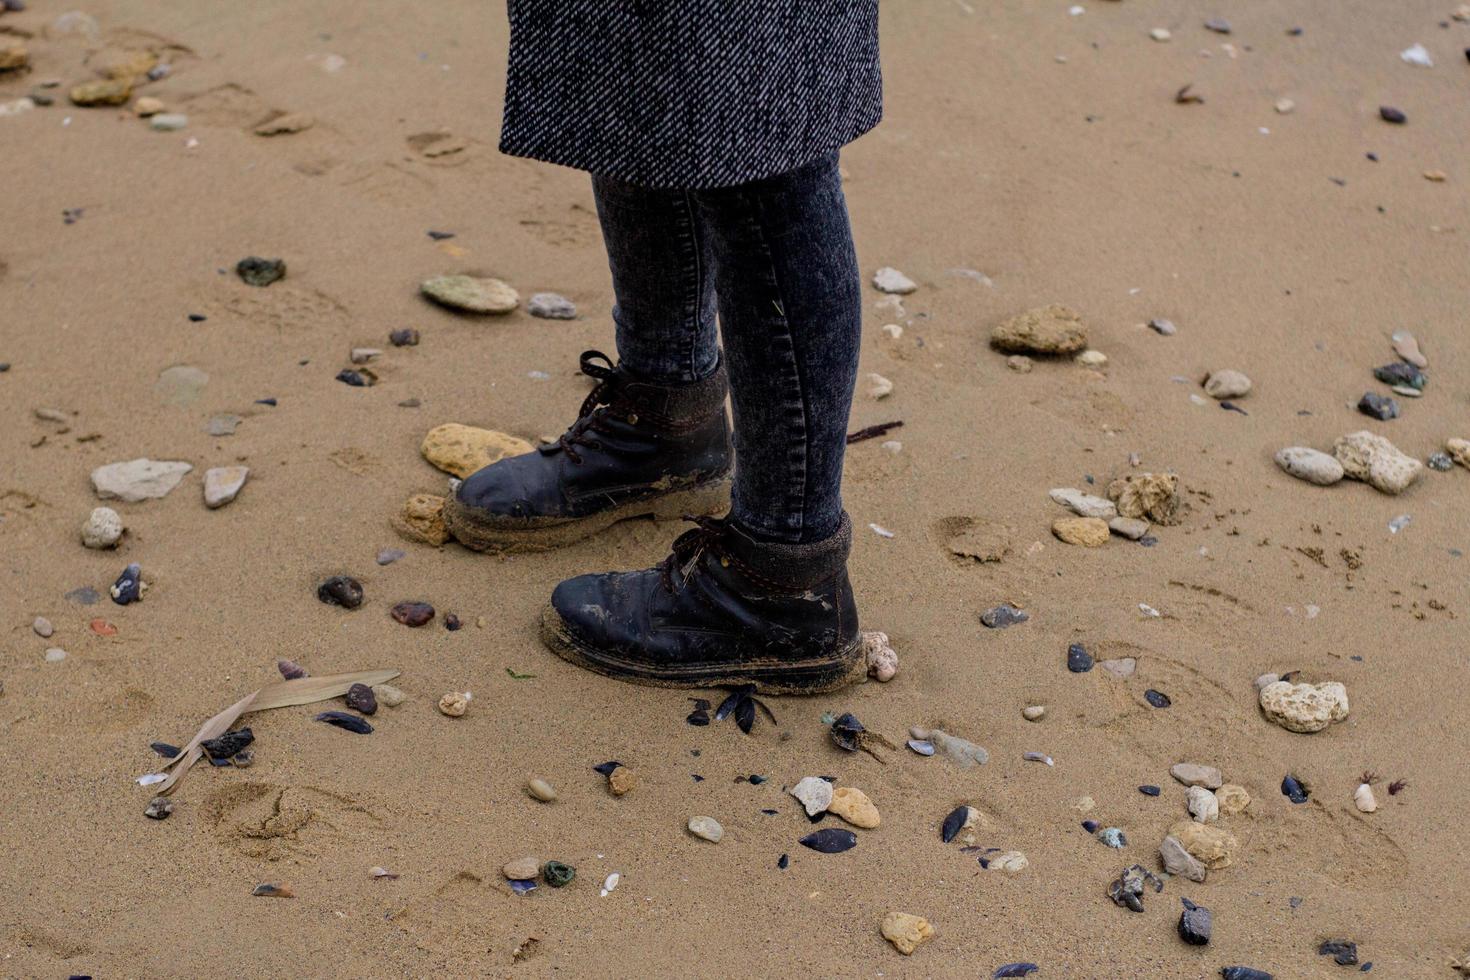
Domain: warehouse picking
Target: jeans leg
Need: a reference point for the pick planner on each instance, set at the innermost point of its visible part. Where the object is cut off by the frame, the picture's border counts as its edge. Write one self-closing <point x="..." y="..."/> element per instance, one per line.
<point x="661" y="269"/>
<point x="790" y="299"/>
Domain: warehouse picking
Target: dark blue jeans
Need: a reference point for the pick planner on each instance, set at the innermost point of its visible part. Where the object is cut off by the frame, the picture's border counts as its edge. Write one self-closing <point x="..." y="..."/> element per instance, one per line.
<point x="776" y="258"/>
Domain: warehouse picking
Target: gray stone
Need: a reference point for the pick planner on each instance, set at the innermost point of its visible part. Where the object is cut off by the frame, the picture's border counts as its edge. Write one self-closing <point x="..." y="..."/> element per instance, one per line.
<point x="707" y="828"/>
<point x="180" y="384"/>
<point x="222" y="484"/>
<point x="1164" y="327"/>
<point x="55" y="655"/>
<point x="103" y="528"/>
<point x="471" y="295"/>
<point x="890" y="280"/>
<point x="1377" y="462"/>
<point x="168" y="122"/>
<point x="551" y="306"/>
<point x="43" y="627"/>
<point x="138" y="479"/>
<point x="1311" y="465"/>
<point x="1178" y="861"/>
<point x="1203" y="805"/>
<point x="1193" y="774"/>
<point x="222" y="425"/>
<point x="522" y="869"/>
<point x="1121" y="667"/>
<point x="1084" y="504"/>
<point x="814" y="793"/>
<point x="1227" y="384"/>
<point x="1132" y="528"/>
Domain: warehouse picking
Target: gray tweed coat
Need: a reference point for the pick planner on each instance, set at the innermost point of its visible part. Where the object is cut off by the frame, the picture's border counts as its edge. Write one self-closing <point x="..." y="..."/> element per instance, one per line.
<point x="689" y="93"/>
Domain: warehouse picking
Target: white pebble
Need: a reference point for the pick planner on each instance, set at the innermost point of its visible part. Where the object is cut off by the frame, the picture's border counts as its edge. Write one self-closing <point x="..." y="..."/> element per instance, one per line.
<point x="55" y="655"/>
<point x="890" y="280"/>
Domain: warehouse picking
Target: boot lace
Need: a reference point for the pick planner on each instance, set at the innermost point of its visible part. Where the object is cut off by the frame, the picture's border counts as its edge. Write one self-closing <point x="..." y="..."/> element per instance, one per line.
<point x="707" y="534"/>
<point x="589" y="416"/>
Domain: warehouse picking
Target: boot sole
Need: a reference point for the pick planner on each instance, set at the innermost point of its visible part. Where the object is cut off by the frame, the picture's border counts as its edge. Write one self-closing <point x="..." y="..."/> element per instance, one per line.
<point x="817" y="676"/>
<point x="518" y="536"/>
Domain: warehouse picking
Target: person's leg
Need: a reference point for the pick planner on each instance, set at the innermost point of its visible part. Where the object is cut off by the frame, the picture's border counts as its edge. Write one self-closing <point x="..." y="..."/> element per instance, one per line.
<point x="762" y="598"/>
<point x="653" y="437"/>
<point x="663" y="278"/>
<point x="790" y="298"/>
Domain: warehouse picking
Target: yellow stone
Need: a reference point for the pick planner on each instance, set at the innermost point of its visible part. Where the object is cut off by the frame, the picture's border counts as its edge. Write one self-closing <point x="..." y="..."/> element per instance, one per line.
<point x="454" y="704"/>
<point x="1090" y="532"/>
<point x="114" y="91"/>
<point x="853" y="805"/>
<point x="1049" y="330"/>
<point x="1151" y="496"/>
<point x="148" y="106"/>
<point x="1211" y="844"/>
<point x="621" y="780"/>
<point x="13" y="54"/>
<point x="906" y="931"/>
<point x="1232" y="799"/>
<point x="123" y="64"/>
<point x="463" y="450"/>
<point x="422" y="519"/>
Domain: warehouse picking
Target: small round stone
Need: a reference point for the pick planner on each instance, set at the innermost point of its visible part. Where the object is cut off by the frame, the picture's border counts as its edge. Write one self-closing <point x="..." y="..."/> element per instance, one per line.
<point x="341" y="590"/>
<point x="43" y="627"/>
<point x="103" y="528"/>
<point x="1034" y="712"/>
<point x="389" y="695"/>
<point x="454" y="704"/>
<point x="621" y="780"/>
<point x="522" y="869"/>
<point x="541" y="790"/>
<point x="413" y="613"/>
<point x="361" y="698"/>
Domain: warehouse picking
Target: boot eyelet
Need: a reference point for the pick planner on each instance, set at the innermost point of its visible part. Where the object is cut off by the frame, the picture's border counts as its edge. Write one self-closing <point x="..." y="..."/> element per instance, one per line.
<point x="632" y="418"/>
<point x="724" y="562"/>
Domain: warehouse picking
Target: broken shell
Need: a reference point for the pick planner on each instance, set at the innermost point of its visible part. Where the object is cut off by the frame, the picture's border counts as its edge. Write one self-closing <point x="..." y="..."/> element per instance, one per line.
<point x="380" y="872"/>
<point x="269" y="890"/>
<point x="1363" y="798"/>
<point x="454" y="704"/>
<point x="227" y="744"/>
<point x="159" y="808"/>
<point x="291" y="670"/>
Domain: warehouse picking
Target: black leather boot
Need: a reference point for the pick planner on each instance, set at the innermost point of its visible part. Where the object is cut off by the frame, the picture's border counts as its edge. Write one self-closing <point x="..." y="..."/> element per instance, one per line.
<point x="637" y="449"/>
<point x="723" y="609"/>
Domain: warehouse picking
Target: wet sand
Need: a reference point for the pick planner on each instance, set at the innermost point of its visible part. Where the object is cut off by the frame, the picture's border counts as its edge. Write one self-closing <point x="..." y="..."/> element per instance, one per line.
<point x="1287" y="255"/>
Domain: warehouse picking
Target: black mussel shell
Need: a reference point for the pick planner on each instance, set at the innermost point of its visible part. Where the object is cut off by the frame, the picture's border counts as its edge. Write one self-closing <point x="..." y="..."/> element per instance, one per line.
<point x="1079" y="661"/>
<point x="730" y="703"/>
<point x="699" y="716"/>
<point x="1014" y="970"/>
<point x="784" y="862"/>
<point x="129" y="585"/>
<point x="954" y="823"/>
<point x="847" y="732"/>
<point x="1343" y="952"/>
<point x="1292" y="789"/>
<point x="227" y="744"/>
<point x="756" y="779"/>
<point x="1243" y="973"/>
<point x="1147" y="790"/>
<point x="830" y="841"/>
<point x="607" y="767"/>
<point x="745" y="715"/>
<point x="164" y="749"/>
<point x="1157" y="698"/>
<point x="341" y="590"/>
<point x="347" y="722"/>
<point x="1090" y="826"/>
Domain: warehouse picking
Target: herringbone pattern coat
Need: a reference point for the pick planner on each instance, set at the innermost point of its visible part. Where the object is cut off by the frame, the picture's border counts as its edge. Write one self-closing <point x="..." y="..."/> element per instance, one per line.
<point x="689" y="93"/>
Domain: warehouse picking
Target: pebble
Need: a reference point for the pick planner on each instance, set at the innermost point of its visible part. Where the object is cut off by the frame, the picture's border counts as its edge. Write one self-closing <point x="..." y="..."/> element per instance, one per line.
<point x="108" y="91"/>
<point x="1311" y="465"/>
<point x="1011" y="862"/>
<point x="13" y="54"/>
<point x="148" y="106"/>
<point x="256" y="271"/>
<point x="1088" y="532"/>
<point x="1160" y="34"/>
<point x="1377" y="462"/>
<point x="1459" y="451"/>
<point x="706" y="828"/>
<point x="1091" y="359"/>
<point x="43" y="627"/>
<point x="1003" y="615"/>
<point x="814" y="793"/>
<point x="454" y="704"/>
<point x="1401" y="374"/>
<point x="168" y="122"/>
<point x="1227" y="384"/>
<point x="83" y="595"/>
<point x="1079" y="661"/>
<point x="469" y="294"/>
<point x="1363" y="798"/>
<point x="853" y="805"/>
<point x="222" y="484"/>
<point x="1178" y="861"/>
<point x="1391" y="115"/>
<point x="1405" y="346"/>
<point x="1203" y="806"/>
<point x="462" y="450"/>
<point x="159" y="808"/>
<point x="364" y="355"/>
<point x="879" y="655"/>
<point x="341" y="590"/>
<point x="1020" y="363"/>
<point x="1285" y="106"/>
<point x="1048" y="330"/>
<point x="1195" y="923"/>
<point x="1112" y="837"/>
<point x="1304" y="708"/>
<point x="55" y="655"/>
<point x="1164" y="328"/>
<point x="1084" y="504"/>
<point x="1194" y="774"/>
<point x="610" y="883"/>
<point x="1154" y="496"/>
<point x="890" y="280"/>
<point x="551" y="306"/>
<point x="361" y="698"/>
<point x="1378" y="406"/>
<point x="411" y="613"/>
<point x="222" y="425"/>
<point x="422" y="519"/>
<point x="879" y="387"/>
<point x="1157" y="698"/>
<point x="1132" y="528"/>
<point x="1212" y="845"/>
<point x="621" y="780"/>
<point x="389" y="695"/>
<point x="138" y="479"/>
<point x="1120" y="667"/>
<point x="541" y="790"/>
<point x="1034" y="712"/>
<point x="1440" y="462"/>
<point x="1232" y="799"/>
<point x="906" y="931"/>
<point x="522" y="869"/>
<point x="1243" y="973"/>
<point x="407" y="337"/>
<point x="389" y="555"/>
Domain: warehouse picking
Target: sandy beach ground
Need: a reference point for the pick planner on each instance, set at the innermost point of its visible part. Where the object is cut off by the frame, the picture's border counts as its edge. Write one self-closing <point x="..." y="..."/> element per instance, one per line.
<point x="1041" y="149"/>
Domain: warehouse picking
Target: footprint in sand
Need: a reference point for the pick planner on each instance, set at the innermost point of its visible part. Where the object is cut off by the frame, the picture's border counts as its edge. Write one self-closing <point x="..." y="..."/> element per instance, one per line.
<point x="268" y="822"/>
<point x="972" y="540"/>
